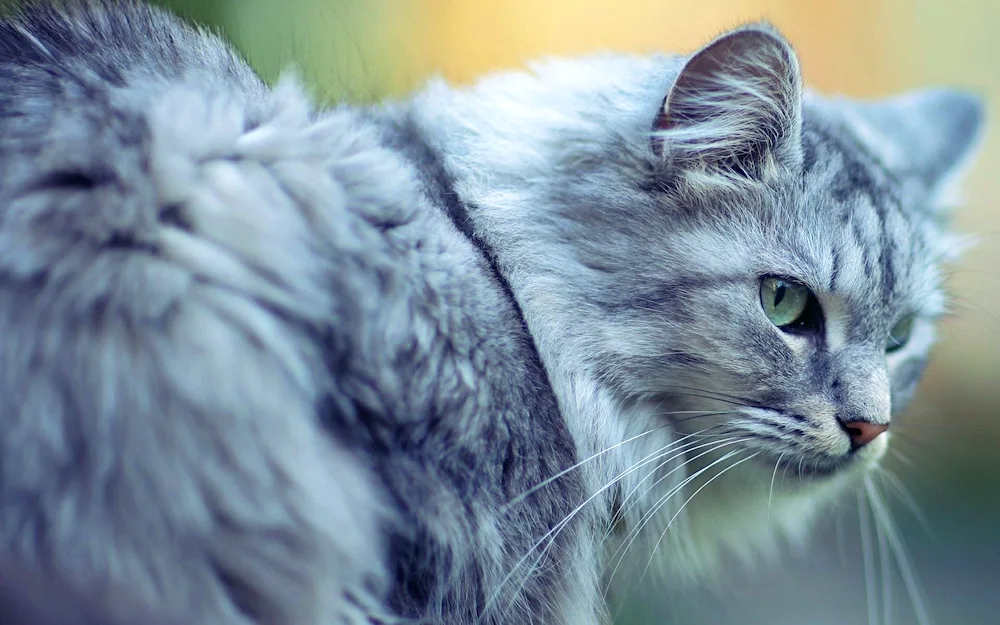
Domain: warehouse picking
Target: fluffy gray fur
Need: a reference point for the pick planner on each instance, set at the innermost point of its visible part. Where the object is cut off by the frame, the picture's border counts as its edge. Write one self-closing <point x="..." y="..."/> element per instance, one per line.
<point x="264" y="363"/>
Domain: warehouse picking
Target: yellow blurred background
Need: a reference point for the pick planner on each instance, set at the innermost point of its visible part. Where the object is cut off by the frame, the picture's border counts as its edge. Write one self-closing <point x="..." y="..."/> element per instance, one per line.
<point x="363" y="50"/>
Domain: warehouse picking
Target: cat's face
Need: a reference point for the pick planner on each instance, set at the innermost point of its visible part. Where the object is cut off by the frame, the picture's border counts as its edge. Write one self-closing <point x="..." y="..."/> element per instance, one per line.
<point x="786" y="299"/>
<point x="802" y="315"/>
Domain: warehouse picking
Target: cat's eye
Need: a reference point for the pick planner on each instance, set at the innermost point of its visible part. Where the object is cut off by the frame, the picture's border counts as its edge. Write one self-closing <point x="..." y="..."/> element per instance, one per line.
<point x="899" y="335"/>
<point x="789" y="305"/>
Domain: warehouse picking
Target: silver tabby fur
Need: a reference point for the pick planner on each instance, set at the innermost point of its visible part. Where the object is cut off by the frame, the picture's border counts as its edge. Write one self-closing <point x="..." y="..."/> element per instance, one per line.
<point x="269" y="364"/>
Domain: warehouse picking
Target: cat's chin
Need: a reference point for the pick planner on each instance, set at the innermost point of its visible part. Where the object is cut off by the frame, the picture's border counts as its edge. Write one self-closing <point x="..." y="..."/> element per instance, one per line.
<point x="819" y="466"/>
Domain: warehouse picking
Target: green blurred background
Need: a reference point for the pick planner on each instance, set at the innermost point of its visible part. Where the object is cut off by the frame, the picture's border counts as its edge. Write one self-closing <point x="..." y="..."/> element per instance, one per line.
<point x="362" y="50"/>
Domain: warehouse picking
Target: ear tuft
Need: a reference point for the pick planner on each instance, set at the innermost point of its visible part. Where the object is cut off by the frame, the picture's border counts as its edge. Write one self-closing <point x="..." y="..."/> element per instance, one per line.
<point x="735" y="104"/>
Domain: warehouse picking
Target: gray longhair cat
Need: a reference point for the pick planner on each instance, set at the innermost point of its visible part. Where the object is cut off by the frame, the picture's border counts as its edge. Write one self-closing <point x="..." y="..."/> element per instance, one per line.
<point x="452" y="359"/>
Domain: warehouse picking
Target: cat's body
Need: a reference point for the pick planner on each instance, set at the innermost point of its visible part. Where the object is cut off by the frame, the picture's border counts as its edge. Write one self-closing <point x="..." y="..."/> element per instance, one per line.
<point x="264" y="364"/>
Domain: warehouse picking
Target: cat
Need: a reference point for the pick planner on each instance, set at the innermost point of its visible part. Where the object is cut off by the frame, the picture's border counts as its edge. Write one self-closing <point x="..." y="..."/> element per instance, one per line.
<point x="450" y="359"/>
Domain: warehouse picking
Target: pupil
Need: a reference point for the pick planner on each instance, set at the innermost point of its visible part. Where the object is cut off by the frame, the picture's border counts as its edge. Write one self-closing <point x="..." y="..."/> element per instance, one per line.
<point x="779" y="294"/>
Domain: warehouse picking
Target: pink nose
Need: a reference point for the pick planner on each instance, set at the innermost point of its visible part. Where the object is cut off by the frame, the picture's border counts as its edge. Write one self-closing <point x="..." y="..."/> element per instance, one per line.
<point x="863" y="432"/>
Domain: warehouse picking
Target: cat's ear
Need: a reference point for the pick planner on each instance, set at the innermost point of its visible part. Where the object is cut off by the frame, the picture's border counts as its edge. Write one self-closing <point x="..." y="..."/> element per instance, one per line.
<point x="931" y="136"/>
<point x="735" y="106"/>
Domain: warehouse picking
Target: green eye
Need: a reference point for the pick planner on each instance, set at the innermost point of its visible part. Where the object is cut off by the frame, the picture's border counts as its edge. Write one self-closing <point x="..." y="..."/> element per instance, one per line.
<point x="899" y="334"/>
<point x="784" y="302"/>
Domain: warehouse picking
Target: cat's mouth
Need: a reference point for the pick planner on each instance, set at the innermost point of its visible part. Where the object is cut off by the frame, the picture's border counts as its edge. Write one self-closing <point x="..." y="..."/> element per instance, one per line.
<point x="812" y="468"/>
<point x="817" y="447"/>
<point x="818" y="466"/>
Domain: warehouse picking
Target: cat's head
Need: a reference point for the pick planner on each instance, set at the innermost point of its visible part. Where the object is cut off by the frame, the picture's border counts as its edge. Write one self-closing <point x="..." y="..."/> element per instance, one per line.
<point x="796" y="274"/>
<point x="762" y="263"/>
<point x="785" y="257"/>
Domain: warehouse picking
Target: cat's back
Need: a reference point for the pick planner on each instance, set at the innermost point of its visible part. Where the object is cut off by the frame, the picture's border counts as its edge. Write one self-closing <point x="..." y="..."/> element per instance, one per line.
<point x="183" y="254"/>
<point x="243" y="338"/>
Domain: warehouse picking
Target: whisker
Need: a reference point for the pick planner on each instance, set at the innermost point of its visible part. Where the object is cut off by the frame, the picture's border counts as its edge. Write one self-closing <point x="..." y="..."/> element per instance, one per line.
<point x="686" y="448"/>
<point x="709" y="394"/>
<point x="724" y="400"/>
<point x="901" y="457"/>
<point x="841" y="540"/>
<point x="957" y="300"/>
<point x="553" y="533"/>
<point x="770" y="492"/>
<point x="867" y="557"/>
<point x="951" y="425"/>
<point x="681" y="450"/>
<point x="534" y="489"/>
<point x="907" y="498"/>
<point x="702" y="415"/>
<point x="688" y="500"/>
<point x="883" y="556"/>
<point x="633" y="533"/>
<point x="920" y="469"/>
<point x="651" y="513"/>
<point x="900" y="553"/>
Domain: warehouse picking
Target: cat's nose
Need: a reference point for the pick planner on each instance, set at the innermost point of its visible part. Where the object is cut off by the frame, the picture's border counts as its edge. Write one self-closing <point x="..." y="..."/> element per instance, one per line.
<point x="863" y="432"/>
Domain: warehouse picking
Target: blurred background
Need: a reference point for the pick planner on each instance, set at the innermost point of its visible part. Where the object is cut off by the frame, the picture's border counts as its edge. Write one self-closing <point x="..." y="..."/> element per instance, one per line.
<point x="363" y="50"/>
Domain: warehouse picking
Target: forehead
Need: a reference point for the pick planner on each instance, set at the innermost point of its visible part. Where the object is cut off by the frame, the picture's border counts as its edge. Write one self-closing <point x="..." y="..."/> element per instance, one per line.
<point x="865" y="241"/>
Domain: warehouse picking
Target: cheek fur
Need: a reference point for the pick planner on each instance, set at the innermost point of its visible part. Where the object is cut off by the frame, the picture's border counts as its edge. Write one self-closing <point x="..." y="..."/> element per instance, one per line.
<point x="905" y="378"/>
